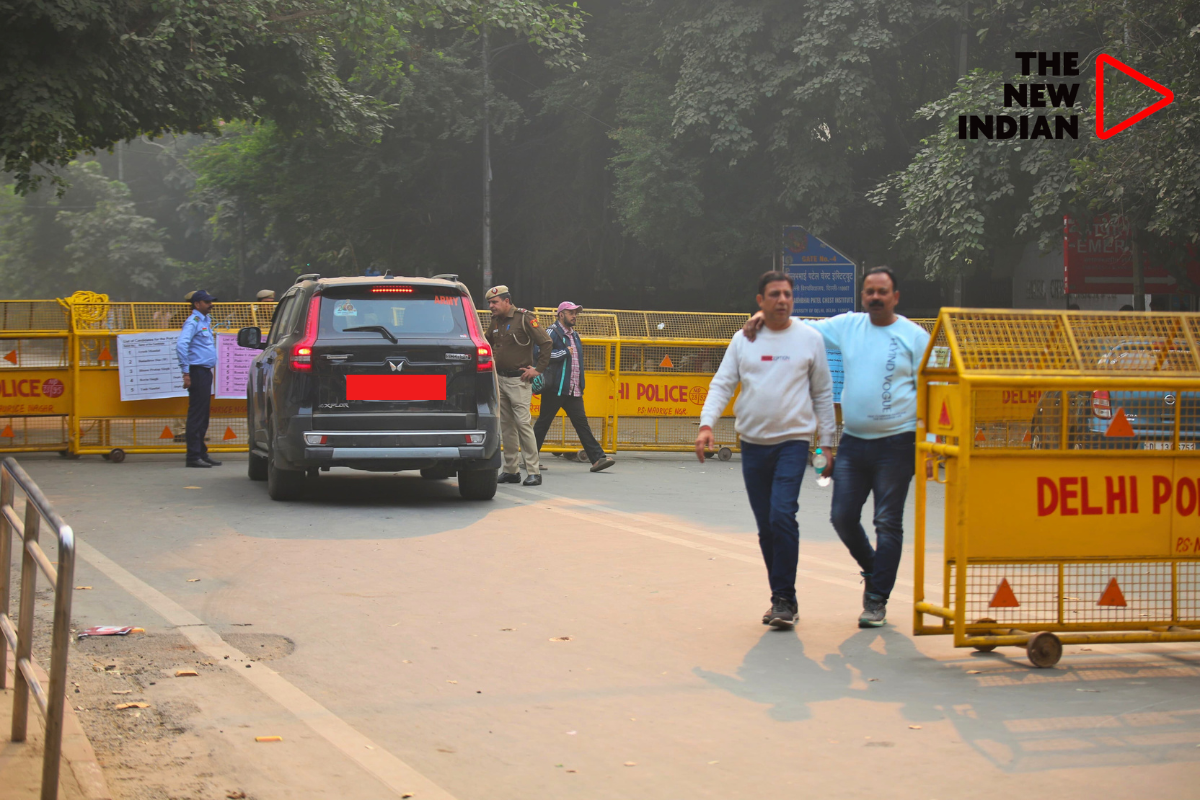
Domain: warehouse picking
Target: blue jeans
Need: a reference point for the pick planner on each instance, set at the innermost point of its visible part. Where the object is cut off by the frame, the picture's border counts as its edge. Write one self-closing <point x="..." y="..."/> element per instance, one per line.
<point x="883" y="466"/>
<point x="772" y="473"/>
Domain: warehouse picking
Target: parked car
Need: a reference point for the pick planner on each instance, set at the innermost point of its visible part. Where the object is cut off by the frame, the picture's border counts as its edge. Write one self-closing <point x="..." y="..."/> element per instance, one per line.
<point x="1150" y="414"/>
<point x="381" y="374"/>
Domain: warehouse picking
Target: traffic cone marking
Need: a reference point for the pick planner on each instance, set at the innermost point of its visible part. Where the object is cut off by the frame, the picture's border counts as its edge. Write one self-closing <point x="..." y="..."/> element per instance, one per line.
<point x="166" y="434"/>
<point x="1004" y="597"/>
<point x="229" y="434"/>
<point x="1120" y="425"/>
<point x="1113" y="596"/>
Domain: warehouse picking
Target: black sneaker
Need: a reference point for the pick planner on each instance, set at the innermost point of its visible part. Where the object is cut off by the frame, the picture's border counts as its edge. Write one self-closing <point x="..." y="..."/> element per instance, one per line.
<point x="212" y="462"/>
<point x="509" y="477"/>
<point x="783" y="613"/>
<point x="874" y="613"/>
<point x="532" y="480"/>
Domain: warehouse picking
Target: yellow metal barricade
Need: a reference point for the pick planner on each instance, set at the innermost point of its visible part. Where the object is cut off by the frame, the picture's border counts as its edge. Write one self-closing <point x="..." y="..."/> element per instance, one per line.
<point x="102" y="423"/>
<point x="1066" y="442"/>
<point x="36" y="389"/>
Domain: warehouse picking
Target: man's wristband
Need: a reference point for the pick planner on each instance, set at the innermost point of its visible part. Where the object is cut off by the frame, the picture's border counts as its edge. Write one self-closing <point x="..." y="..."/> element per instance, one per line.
<point x="706" y="428"/>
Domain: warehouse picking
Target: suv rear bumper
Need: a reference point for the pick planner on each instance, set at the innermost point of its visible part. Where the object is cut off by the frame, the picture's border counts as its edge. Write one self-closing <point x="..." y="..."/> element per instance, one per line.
<point x="475" y="448"/>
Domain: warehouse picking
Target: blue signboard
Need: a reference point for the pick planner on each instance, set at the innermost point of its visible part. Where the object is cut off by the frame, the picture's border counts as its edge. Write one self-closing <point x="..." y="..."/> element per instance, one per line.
<point x="823" y="279"/>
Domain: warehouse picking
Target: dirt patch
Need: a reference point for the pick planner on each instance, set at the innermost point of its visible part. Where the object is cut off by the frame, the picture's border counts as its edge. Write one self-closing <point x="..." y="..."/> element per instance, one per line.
<point x="145" y="752"/>
<point x="261" y="646"/>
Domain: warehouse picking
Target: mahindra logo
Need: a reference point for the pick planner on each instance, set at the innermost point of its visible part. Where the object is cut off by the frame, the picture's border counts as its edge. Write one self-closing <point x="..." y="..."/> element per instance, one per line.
<point x="396" y="365"/>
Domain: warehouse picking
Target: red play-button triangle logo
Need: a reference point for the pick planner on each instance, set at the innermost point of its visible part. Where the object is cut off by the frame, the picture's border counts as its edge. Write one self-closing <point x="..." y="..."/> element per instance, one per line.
<point x="1107" y="133"/>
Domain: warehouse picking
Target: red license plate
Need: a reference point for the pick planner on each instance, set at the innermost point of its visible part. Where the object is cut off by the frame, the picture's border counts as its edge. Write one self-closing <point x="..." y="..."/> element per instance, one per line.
<point x="395" y="387"/>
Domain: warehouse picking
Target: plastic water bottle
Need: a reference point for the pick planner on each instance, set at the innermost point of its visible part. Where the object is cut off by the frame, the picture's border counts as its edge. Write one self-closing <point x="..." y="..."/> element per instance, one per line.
<point x="819" y="464"/>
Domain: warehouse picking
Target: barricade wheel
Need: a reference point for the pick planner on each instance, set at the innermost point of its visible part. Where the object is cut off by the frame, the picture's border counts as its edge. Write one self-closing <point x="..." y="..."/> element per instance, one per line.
<point x="725" y="454"/>
<point x="1044" y="649"/>
<point x="582" y="457"/>
<point x="116" y="456"/>
<point x="985" y="648"/>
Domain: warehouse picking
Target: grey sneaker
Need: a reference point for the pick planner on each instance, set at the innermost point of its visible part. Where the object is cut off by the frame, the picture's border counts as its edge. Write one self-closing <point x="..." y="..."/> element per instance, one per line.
<point x="874" y="612"/>
<point x="783" y="613"/>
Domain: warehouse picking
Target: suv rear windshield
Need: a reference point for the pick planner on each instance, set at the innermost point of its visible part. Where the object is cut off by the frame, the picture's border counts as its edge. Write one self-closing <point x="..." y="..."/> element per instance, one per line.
<point x="421" y="313"/>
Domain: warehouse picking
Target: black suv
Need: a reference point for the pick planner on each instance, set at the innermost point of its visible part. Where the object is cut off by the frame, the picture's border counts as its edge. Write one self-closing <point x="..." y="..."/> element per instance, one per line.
<point x="381" y="374"/>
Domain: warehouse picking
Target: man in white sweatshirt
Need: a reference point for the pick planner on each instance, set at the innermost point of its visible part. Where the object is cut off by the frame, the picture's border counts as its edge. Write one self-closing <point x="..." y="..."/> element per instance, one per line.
<point x="786" y="398"/>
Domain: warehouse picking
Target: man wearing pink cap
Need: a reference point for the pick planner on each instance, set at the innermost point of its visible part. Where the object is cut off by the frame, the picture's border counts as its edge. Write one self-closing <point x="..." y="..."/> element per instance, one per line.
<point x="563" y="387"/>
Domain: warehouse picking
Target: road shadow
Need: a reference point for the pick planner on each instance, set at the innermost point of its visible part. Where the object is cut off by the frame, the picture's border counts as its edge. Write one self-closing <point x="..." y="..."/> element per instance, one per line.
<point x="1090" y="711"/>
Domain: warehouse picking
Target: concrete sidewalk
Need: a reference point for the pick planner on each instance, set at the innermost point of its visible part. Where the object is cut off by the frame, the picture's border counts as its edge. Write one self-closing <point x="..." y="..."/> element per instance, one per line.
<point x="80" y="777"/>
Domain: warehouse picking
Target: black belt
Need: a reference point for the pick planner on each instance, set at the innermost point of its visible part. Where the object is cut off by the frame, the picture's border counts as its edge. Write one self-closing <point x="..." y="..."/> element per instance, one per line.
<point x="512" y="373"/>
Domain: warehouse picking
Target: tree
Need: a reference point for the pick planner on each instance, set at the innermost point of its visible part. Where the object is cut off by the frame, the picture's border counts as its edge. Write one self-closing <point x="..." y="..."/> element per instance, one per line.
<point x="91" y="238"/>
<point x="79" y="76"/>
<point x="960" y="201"/>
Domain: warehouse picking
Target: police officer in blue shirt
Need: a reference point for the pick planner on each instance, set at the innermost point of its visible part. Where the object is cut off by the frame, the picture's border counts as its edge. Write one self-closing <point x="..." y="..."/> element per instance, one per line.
<point x="197" y="351"/>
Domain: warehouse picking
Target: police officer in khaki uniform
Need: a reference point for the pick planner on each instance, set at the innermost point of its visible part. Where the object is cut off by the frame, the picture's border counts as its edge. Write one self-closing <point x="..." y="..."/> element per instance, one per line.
<point x="513" y="334"/>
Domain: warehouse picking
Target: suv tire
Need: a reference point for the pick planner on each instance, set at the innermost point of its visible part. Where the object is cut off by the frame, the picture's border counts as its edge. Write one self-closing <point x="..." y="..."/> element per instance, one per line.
<point x="256" y="467"/>
<point x="477" y="484"/>
<point x="282" y="484"/>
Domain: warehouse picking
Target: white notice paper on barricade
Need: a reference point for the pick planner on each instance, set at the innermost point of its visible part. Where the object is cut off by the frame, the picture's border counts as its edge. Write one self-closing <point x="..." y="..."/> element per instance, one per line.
<point x="233" y="367"/>
<point x="148" y="366"/>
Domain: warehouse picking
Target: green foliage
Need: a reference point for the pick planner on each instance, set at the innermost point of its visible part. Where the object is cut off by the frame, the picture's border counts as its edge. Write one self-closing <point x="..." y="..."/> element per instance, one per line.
<point x="90" y="238"/>
<point x="961" y="200"/>
<point x="79" y="76"/>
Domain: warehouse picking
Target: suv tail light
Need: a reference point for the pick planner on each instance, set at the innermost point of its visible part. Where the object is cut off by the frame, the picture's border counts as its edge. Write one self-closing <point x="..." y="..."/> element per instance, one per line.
<point x="302" y="351"/>
<point x="1100" y="405"/>
<point x="483" y="350"/>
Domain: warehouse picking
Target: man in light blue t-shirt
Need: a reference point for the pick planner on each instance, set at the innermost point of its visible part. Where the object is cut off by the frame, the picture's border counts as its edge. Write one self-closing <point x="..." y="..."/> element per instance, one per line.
<point x="882" y="352"/>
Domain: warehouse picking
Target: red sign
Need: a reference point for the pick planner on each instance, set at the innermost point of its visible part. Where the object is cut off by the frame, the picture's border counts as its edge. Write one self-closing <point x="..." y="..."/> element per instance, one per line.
<point x="395" y="387"/>
<point x="53" y="387"/>
<point x="1098" y="260"/>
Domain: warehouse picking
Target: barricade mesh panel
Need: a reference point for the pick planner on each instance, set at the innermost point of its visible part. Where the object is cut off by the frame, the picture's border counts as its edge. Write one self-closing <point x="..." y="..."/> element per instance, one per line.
<point x="34" y="433"/>
<point x="166" y="432"/>
<point x="670" y="432"/>
<point x="677" y="359"/>
<point x="1132" y="342"/>
<point x="97" y="350"/>
<point x="33" y="353"/>
<point x="33" y="315"/>
<point x="134" y="317"/>
<point x="562" y="432"/>
<point x="1144" y="587"/>
<point x="1006" y="342"/>
<point x="1101" y="418"/>
<point x="1138" y="344"/>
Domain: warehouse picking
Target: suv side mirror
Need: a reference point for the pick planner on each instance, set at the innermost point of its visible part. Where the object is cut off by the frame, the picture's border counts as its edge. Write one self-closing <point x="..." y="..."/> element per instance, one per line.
<point x="252" y="338"/>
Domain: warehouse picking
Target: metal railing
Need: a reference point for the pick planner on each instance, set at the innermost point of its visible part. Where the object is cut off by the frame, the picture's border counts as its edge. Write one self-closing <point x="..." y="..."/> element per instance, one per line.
<point x="51" y="701"/>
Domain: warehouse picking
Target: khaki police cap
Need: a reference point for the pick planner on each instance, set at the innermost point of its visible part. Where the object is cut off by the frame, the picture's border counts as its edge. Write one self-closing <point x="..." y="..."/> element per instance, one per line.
<point x="187" y="298"/>
<point x="264" y="294"/>
<point x="495" y="291"/>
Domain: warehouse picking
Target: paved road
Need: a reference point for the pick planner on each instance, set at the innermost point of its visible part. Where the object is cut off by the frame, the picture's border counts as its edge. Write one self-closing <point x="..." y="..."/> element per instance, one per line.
<point x="431" y="650"/>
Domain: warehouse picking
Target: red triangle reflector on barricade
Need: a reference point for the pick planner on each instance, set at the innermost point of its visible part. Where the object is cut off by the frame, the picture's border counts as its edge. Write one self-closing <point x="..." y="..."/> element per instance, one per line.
<point x="11" y="357"/>
<point x="1004" y="597"/>
<point x="8" y="432"/>
<point x="229" y="434"/>
<point x="166" y="434"/>
<point x="1113" y="596"/>
<point x="1120" y="425"/>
